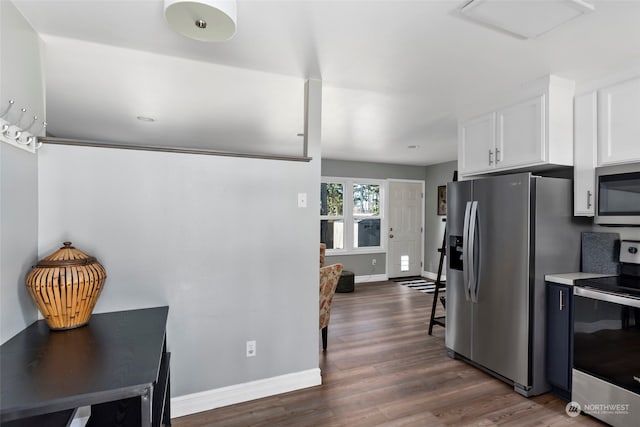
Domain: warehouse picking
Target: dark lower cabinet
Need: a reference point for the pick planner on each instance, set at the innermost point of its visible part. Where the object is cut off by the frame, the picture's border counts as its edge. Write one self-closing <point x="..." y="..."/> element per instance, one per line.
<point x="560" y="338"/>
<point x="118" y="364"/>
<point x="127" y="412"/>
<point x="54" y="419"/>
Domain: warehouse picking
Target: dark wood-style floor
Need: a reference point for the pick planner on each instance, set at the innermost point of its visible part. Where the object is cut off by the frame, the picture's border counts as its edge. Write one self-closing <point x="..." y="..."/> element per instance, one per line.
<point x="382" y="369"/>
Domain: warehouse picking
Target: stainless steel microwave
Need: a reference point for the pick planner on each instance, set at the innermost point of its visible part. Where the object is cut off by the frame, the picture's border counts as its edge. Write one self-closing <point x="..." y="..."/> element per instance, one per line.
<point x="617" y="200"/>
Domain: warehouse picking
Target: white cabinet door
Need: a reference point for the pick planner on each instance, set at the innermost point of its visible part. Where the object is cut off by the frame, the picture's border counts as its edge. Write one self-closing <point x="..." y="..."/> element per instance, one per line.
<point x="521" y="134"/>
<point x="477" y="144"/>
<point x="535" y="131"/>
<point x="584" y="154"/>
<point x="619" y="123"/>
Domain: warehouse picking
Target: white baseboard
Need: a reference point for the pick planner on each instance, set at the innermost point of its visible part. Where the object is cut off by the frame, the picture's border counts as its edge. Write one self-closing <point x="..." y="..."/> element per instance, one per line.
<point x="371" y="278"/>
<point x="237" y="393"/>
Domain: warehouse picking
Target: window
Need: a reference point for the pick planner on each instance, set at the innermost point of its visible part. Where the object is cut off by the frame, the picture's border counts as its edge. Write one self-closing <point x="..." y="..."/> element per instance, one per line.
<point x="404" y="262"/>
<point x="366" y="215"/>
<point x="332" y="214"/>
<point x="351" y="214"/>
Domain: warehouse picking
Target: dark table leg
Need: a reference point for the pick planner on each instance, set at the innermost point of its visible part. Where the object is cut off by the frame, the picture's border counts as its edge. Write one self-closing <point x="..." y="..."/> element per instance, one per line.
<point x="146" y="408"/>
<point x="166" y="416"/>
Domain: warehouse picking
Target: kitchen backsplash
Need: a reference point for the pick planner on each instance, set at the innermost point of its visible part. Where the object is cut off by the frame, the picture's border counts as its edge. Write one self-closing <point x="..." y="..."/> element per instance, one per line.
<point x="600" y="252"/>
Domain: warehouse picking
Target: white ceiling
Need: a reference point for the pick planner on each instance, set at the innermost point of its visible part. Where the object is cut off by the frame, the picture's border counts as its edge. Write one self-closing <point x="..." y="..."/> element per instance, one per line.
<point x="395" y="73"/>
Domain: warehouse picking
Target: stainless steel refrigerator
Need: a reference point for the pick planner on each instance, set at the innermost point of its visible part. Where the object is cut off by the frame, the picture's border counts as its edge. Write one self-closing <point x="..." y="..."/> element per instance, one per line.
<point x="504" y="234"/>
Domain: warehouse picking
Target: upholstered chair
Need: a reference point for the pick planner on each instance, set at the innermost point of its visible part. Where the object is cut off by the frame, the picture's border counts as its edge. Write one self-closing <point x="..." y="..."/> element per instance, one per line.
<point x="329" y="277"/>
<point x="323" y="251"/>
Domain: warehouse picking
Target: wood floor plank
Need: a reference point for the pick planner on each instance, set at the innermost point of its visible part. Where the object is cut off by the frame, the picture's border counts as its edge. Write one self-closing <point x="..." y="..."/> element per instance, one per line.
<point x="382" y="369"/>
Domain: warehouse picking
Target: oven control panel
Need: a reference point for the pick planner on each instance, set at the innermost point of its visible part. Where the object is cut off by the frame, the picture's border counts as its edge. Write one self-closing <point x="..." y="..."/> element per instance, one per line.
<point x="630" y="251"/>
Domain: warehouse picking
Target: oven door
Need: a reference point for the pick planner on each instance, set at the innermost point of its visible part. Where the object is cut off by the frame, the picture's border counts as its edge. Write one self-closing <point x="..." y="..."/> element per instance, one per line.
<point x="606" y="337"/>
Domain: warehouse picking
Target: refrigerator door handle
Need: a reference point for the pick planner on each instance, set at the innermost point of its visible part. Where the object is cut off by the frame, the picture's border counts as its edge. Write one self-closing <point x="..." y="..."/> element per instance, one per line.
<point x="473" y="268"/>
<point x="465" y="252"/>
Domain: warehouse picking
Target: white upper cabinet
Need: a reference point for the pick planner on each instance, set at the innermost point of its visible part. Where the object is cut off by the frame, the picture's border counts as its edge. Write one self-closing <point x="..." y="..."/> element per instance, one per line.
<point x="521" y="134"/>
<point x="476" y="148"/>
<point x="532" y="131"/>
<point x="584" y="157"/>
<point x="619" y="123"/>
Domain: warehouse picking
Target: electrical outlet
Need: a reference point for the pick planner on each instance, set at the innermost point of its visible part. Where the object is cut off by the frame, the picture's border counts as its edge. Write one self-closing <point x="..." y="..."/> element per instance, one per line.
<point x="251" y="348"/>
<point x="373" y="261"/>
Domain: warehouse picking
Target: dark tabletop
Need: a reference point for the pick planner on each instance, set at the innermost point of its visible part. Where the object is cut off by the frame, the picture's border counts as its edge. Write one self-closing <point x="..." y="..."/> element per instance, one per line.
<point x="117" y="355"/>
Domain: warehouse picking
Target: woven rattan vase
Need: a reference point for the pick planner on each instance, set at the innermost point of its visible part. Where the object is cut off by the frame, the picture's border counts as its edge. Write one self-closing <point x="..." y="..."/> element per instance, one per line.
<point x="65" y="286"/>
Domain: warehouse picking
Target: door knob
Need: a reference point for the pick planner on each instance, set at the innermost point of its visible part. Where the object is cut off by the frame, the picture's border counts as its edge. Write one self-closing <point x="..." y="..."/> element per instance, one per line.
<point x="391" y="236"/>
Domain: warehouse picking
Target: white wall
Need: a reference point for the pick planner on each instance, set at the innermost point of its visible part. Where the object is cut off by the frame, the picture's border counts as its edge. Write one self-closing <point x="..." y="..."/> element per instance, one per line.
<point x="20" y="80"/>
<point x="18" y="238"/>
<point x="220" y="240"/>
<point x="21" y="66"/>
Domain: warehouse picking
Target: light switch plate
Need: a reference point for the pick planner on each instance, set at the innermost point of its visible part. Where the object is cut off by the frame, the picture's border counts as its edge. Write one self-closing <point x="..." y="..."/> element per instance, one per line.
<point x="302" y="200"/>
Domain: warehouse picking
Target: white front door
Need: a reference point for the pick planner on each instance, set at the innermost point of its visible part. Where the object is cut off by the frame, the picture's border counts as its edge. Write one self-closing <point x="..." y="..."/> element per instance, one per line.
<point x="405" y="228"/>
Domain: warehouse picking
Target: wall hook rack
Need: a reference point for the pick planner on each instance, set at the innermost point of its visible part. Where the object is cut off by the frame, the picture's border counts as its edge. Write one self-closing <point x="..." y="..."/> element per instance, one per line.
<point x="14" y="133"/>
<point x="6" y="111"/>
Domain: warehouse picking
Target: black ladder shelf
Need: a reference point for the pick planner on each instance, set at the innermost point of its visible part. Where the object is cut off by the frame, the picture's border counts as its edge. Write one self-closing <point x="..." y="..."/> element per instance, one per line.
<point x="439" y="320"/>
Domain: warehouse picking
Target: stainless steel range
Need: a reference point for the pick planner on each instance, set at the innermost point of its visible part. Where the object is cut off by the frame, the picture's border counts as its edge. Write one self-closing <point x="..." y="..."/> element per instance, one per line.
<point x="606" y="363"/>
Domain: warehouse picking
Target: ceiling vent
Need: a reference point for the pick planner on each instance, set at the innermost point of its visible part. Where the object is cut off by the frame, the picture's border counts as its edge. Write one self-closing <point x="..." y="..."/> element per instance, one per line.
<point x="526" y="19"/>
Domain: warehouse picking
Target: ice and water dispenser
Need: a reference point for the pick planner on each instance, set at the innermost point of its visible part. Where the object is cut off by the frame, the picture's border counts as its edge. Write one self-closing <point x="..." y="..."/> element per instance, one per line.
<point x="455" y="252"/>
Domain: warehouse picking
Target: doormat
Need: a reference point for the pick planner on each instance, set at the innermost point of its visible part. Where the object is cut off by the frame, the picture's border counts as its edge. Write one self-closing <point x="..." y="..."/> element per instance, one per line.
<point x="419" y="284"/>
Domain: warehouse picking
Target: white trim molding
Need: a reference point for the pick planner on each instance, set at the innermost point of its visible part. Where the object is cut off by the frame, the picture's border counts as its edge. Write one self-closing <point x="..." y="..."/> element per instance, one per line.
<point x="371" y="278"/>
<point x="238" y="393"/>
<point x="434" y="276"/>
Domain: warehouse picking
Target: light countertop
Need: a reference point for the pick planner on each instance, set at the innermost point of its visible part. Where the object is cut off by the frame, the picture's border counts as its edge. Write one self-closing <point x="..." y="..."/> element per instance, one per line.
<point x="569" y="278"/>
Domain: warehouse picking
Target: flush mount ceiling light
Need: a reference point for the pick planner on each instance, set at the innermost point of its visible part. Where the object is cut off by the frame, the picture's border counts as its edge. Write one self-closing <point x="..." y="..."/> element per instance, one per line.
<point x="525" y="18"/>
<point x="204" y="20"/>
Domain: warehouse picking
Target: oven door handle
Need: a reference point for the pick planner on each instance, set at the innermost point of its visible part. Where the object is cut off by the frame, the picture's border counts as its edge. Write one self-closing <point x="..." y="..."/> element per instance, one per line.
<point x="607" y="297"/>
